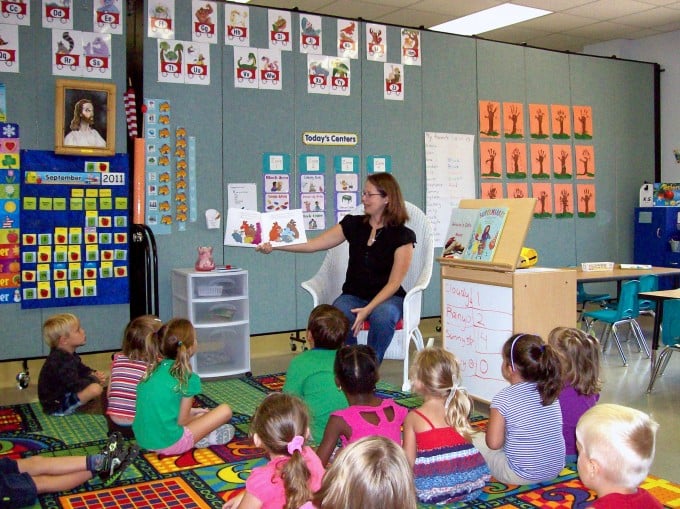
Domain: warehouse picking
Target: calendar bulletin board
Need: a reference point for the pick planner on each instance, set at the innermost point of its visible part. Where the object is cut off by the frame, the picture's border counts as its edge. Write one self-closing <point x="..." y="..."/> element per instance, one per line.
<point x="74" y="230"/>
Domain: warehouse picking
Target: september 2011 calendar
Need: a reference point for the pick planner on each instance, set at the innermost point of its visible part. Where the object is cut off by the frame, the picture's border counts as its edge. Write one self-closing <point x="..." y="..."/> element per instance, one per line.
<point x="74" y="230"/>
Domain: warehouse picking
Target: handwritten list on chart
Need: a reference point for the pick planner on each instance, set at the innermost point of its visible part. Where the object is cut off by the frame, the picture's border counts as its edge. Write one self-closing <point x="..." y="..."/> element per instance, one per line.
<point x="477" y="321"/>
<point x="449" y="165"/>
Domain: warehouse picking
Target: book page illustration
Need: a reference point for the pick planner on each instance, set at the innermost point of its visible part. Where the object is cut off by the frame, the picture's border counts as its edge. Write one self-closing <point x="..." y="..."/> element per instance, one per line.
<point x="459" y="232"/>
<point x="489" y="226"/>
<point x="249" y="228"/>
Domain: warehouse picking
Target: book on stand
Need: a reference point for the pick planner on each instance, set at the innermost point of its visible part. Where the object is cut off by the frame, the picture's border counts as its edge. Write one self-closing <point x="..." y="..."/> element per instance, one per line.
<point x="459" y="232"/>
<point x="249" y="228"/>
<point x="487" y="230"/>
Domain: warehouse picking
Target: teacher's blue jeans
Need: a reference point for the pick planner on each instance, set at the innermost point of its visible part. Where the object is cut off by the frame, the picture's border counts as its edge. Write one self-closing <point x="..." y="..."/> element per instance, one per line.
<point x="383" y="320"/>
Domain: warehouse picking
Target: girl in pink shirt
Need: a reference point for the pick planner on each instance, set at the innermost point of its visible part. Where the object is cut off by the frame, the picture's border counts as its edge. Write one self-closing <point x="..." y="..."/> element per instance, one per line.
<point x="356" y="373"/>
<point x="280" y="426"/>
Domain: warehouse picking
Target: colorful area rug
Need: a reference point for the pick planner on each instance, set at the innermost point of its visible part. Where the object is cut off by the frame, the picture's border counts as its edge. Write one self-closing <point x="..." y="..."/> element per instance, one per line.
<point x="205" y="478"/>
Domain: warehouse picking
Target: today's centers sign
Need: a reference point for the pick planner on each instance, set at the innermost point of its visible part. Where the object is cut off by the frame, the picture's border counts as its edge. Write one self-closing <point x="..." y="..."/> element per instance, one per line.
<point x="331" y="139"/>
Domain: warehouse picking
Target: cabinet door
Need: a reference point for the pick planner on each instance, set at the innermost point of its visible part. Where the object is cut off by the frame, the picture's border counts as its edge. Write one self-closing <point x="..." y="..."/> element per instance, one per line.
<point x="652" y="234"/>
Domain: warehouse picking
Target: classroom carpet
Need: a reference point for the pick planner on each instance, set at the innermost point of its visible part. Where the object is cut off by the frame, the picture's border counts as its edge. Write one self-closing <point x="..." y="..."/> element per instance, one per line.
<point x="205" y="478"/>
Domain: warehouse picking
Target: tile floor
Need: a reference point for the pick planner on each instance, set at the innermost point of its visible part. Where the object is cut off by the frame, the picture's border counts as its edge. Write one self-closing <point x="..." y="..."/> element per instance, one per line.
<point x="622" y="385"/>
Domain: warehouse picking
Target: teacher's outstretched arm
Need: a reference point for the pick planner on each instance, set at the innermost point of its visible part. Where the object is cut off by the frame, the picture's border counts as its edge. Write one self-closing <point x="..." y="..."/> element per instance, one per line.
<point x="328" y="239"/>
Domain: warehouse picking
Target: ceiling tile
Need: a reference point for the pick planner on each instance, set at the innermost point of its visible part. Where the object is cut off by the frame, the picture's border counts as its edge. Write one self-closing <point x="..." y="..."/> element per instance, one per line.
<point x="552" y="5"/>
<point x="650" y="18"/>
<point x="455" y="9"/>
<point x="558" y="22"/>
<point x="515" y="35"/>
<point x="608" y="9"/>
<point x="561" y="42"/>
<point x="604" y="31"/>
<point x="357" y="9"/>
<point x="409" y="18"/>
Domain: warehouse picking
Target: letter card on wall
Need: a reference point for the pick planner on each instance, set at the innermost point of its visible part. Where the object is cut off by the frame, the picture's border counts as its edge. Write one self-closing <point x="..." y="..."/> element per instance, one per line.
<point x="74" y="230"/>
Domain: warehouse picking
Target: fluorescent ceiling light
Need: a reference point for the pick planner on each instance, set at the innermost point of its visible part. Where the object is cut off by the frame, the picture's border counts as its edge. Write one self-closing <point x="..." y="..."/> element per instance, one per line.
<point x="240" y="1"/>
<point x="490" y="19"/>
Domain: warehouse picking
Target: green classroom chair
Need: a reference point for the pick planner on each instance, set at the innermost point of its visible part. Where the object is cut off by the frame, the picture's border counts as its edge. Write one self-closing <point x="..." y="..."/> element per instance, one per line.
<point x="626" y="312"/>
<point x="670" y="335"/>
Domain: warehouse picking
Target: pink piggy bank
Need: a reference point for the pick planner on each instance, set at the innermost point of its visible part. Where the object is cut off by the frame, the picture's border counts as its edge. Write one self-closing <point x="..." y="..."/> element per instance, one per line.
<point x="205" y="261"/>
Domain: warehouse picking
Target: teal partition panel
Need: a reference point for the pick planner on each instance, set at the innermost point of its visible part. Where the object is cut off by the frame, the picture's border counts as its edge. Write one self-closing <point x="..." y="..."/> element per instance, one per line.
<point x="234" y="127"/>
<point x="30" y="99"/>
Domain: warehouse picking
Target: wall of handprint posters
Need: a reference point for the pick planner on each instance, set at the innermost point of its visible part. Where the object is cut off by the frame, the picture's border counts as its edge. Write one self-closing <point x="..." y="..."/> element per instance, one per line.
<point x="553" y="161"/>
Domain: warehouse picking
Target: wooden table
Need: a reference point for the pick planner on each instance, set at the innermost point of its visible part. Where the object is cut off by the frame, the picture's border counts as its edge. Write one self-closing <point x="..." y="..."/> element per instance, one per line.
<point x="617" y="274"/>
<point x="659" y="297"/>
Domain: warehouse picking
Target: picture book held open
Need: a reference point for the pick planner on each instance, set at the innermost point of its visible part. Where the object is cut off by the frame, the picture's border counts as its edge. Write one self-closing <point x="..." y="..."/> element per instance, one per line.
<point x="248" y="228"/>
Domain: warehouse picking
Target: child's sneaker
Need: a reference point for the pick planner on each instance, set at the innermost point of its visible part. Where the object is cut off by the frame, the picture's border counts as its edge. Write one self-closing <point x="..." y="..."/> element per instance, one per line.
<point x="114" y="454"/>
<point x="130" y="455"/>
<point x="219" y="436"/>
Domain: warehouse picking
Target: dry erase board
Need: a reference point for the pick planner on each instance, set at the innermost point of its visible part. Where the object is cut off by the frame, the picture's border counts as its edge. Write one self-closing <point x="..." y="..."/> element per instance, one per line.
<point x="477" y="321"/>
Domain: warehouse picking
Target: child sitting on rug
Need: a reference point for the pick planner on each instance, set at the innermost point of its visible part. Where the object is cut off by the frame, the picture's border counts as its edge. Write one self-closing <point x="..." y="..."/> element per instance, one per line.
<point x="65" y="383"/>
<point x="165" y="420"/>
<point x="294" y="472"/>
<point x="356" y="374"/>
<point x="523" y="443"/>
<point x="23" y="479"/>
<point x="127" y="370"/>
<point x="616" y="450"/>
<point x="580" y="360"/>
<point x="372" y="472"/>
<point x="438" y="435"/>
<point x="310" y="374"/>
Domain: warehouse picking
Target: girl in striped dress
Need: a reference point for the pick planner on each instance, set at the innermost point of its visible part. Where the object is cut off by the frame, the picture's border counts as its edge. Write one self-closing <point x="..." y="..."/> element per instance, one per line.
<point x="524" y="442"/>
<point x="438" y="435"/>
<point x="127" y="369"/>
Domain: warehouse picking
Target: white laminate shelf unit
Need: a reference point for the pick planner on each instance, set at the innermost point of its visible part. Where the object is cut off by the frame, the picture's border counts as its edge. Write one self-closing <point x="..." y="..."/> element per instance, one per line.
<point x="216" y="302"/>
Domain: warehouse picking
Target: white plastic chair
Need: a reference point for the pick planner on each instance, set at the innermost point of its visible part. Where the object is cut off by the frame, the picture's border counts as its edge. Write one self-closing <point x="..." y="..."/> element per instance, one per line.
<point x="326" y="286"/>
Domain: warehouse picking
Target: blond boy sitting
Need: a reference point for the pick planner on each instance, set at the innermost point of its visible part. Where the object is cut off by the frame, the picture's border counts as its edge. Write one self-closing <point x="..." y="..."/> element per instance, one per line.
<point x="616" y="450"/>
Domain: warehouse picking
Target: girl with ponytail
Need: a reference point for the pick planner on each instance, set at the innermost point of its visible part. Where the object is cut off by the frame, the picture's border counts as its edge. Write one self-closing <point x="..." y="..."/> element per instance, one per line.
<point x="448" y="468"/>
<point x="280" y="426"/>
<point x="165" y="420"/>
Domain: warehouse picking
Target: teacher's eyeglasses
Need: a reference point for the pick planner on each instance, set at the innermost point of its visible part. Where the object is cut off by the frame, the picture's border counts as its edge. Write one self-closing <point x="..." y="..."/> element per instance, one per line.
<point x="366" y="194"/>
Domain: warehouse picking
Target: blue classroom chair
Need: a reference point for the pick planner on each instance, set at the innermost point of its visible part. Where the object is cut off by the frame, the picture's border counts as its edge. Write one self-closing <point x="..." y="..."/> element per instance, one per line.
<point x="648" y="283"/>
<point x="626" y="312"/>
<point x="583" y="297"/>
<point x="670" y="335"/>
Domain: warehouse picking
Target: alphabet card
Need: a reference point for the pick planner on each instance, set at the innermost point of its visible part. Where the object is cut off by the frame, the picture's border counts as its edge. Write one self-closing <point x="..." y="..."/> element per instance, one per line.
<point x="310" y="33"/>
<point x="394" y="82"/>
<point x="9" y="52"/>
<point x="204" y="27"/>
<point x="161" y="22"/>
<point x="16" y="12"/>
<point x="108" y="17"/>
<point x="57" y="14"/>
<point x="280" y="26"/>
<point x="348" y="39"/>
<point x="376" y="42"/>
<point x="67" y="47"/>
<point x="237" y="25"/>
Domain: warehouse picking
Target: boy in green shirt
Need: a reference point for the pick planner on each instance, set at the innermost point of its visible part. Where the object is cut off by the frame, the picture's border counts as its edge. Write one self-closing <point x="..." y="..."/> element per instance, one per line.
<point x="310" y="375"/>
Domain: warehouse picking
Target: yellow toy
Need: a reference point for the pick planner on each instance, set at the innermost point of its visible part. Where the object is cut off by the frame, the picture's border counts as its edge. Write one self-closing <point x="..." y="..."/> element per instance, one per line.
<point x="527" y="258"/>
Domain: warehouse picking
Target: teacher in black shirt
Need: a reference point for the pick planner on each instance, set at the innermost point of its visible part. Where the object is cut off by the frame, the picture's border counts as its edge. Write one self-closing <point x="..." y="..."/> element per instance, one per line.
<point x="380" y="253"/>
